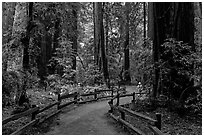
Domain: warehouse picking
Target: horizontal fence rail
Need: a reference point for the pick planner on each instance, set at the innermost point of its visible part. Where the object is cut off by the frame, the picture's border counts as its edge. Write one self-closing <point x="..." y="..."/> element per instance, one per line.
<point x="22" y="129"/>
<point x="68" y="95"/>
<point x="139" y="132"/>
<point x="17" y="116"/>
<point x="37" y="110"/>
<point x="136" y="114"/>
<point x="48" y="106"/>
<point x="153" y="125"/>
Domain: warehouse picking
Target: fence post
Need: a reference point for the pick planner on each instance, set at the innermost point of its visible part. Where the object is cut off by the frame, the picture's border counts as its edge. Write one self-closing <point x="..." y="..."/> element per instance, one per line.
<point x="34" y="113"/>
<point x="95" y="95"/>
<point x="110" y="102"/>
<point x="132" y="105"/>
<point x="58" y="99"/>
<point x="112" y="93"/>
<point x="75" y="97"/>
<point x="133" y="96"/>
<point x="118" y="99"/>
<point x="122" y="115"/>
<point x="158" y="123"/>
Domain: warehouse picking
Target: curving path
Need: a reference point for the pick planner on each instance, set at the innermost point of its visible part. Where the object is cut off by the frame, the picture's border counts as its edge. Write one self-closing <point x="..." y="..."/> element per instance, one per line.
<point x="88" y="119"/>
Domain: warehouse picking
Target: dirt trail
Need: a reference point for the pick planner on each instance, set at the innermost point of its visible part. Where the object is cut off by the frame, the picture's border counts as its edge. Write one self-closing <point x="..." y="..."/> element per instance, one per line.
<point x="88" y="119"/>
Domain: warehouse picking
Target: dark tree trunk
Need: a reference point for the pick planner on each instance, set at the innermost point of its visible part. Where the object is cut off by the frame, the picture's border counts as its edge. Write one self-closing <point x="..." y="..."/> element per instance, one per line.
<point x="56" y="36"/>
<point x="150" y="32"/>
<point x="144" y="8"/>
<point x="74" y="40"/>
<point x="106" y="28"/>
<point x="53" y="67"/>
<point x="96" y="33"/>
<point x="99" y="39"/>
<point x="25" y="40"/>
<point x="26" y="67"/>
<point x="8" y="12"/>
<point x="102" y="44"/>
<point x="126" y="45"/>
<point x="74" y="37"/>
<point x="170" y="20"/>
<point x="43" y="67"/>
<point x="183" y="22"/>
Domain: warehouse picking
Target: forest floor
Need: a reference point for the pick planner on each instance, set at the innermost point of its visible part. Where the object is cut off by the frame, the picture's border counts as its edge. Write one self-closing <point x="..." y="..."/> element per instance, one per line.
<point x="37" y="97"/>
<point x="92" y="118"/>
<point x="172" y="122"/>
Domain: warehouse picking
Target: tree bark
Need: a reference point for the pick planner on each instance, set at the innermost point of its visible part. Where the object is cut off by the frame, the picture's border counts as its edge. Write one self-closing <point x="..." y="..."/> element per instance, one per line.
<point x="102" y="45"/>
<point x="127" y="77"/>
<point x="96" y="33"/>
<point x="99" y="39"/>
<point x="8" y="11"/>
<point x="74" y="40"/>
<point x="170" y="20"/>
<point x="43" y="56"/>
<point x="25" y="40"/>
<point x="56" y="36"/>
<point x="144" y="8"/>
<point x="150" y="21"/>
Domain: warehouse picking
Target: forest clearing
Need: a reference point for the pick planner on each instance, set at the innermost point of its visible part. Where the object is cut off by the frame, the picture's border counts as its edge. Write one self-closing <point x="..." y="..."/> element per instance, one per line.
<point x="102" y="68"/>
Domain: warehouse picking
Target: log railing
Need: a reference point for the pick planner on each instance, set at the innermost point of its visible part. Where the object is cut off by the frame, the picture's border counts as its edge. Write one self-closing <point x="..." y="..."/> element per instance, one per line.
<point x="154" y="125"/>
<point x="17" y="116"/>
<point x="65" y="96"/>
<point x="35" y="111"/>
<point x="95" y="95"/>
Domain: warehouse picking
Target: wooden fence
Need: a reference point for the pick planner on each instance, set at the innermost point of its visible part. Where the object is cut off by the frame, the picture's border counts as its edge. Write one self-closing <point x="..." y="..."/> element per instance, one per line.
<point x="34" y="111"/>
<point x="154" y="125"/>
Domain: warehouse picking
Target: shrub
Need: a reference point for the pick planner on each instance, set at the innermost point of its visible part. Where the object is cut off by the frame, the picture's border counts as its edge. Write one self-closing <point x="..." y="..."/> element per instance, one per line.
<point x="179" y="71"/>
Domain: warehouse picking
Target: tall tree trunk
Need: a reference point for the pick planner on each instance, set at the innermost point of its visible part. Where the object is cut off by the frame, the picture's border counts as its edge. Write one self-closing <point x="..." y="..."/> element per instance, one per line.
<point x="126" y="45"/>
<point x="43" y="56"/>
<point x="106" y="27"/>
<point x="7" y="25"/>
<point x="150" y="26"/>
<point x="96" y="33"/>
<point x="56" y="36"/>
<point x="74" y="40"/>
<point x="200" y="4"/>
<point x="170" y="20"/>
<point x="144" y="8"/>
<point x="102" y="44"/>
<point x="52" y="68"/>
<point x="25" y="40"/>
<point x="99" y="39"/>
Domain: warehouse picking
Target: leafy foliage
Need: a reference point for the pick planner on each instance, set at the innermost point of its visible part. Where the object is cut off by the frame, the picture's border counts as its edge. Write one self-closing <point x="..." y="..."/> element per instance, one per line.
<point x="178" y="77"/>
<point x="51" y="42"/>
<point x="142" y="65"/>
<point x="176" y="65"/>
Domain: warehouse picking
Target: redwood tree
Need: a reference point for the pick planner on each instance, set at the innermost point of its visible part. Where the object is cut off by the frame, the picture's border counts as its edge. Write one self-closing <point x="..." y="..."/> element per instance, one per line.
<point x="127" y="77"/>
<point x="8" y="11"/>
<point x="25" y="40"/>
<point x="100" y="53"/>
<point x="74" y="38"/>
<point x="169" y="20"/>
